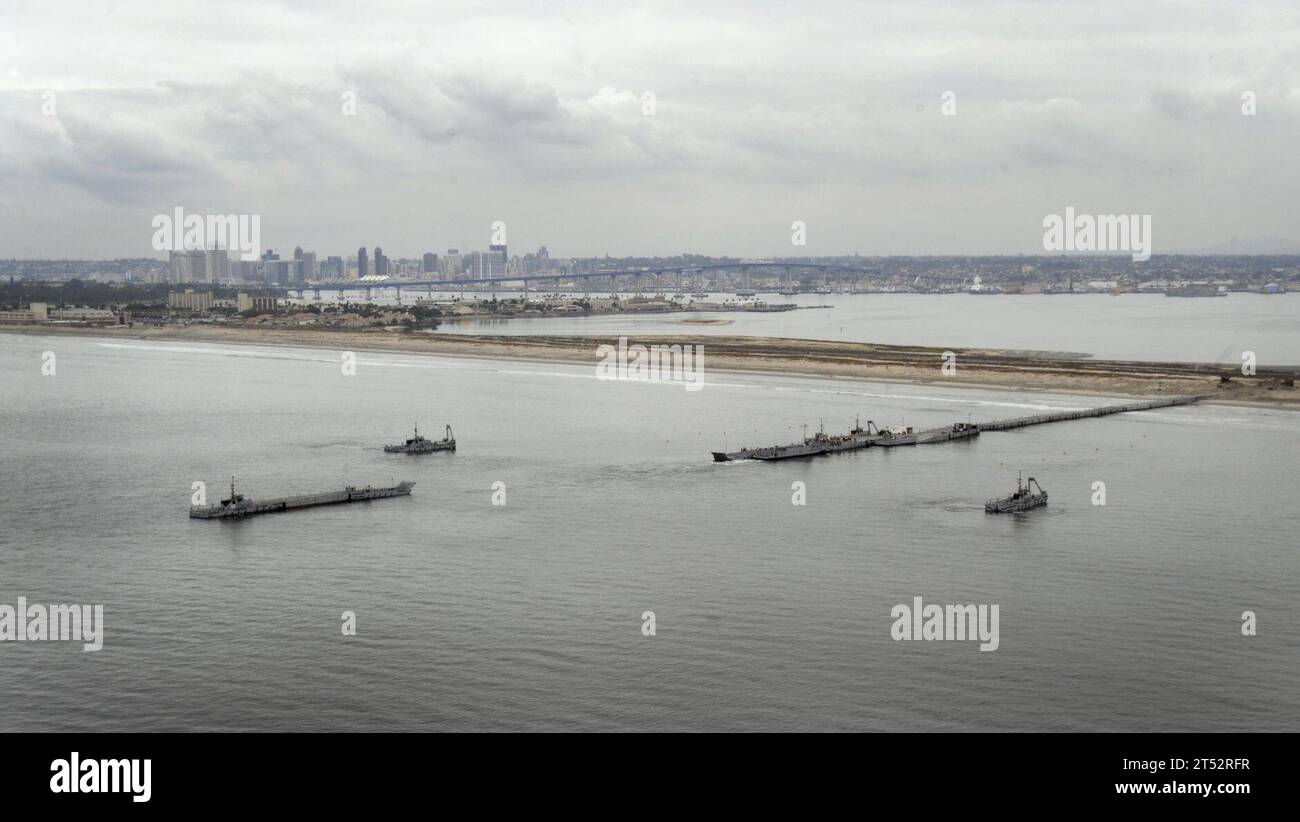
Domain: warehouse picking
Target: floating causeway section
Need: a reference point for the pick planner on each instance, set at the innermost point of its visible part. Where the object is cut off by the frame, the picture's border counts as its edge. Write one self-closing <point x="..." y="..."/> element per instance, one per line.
<point x="237" y="505"/>
<point x="822" y="444"/>
<point x="1062" y="416"/>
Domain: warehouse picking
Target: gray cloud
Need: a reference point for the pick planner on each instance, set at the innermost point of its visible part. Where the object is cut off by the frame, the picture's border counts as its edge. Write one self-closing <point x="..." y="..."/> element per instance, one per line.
<point x="531" y="113"/>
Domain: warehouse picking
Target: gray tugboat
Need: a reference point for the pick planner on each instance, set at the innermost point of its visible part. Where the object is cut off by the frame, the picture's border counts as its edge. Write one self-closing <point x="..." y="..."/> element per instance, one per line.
<point x="419" y="445"/>
<point x="1022" y="500"/>
<point x="238" y="505"/>
<point x="891" y="437"/>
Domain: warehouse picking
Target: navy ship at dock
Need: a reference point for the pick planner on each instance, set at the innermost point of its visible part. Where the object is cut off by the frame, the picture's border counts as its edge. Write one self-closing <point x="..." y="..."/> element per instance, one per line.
<point x="891" y="437"/>
<point x="238" y="506"/>
<point x="1195" y="291"/>
<point x="819" y="443"/>
<point x="418" y="444"/>
<point x="956" y="431"/>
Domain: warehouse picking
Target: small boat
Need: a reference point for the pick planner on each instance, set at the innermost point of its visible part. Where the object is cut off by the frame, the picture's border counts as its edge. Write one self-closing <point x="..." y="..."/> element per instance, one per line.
<point x="1022" y="500"/>
<point x="418" y="444"/>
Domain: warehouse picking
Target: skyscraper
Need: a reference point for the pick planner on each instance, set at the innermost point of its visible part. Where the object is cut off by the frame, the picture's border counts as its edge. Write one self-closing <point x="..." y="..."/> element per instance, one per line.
<point x="430" y="262"/>
<point x="273" y="268"/>
<point x="307" y="267"/>
<point x="452" y="262"/>
<point x="189" y="266"/>
<point x="217" y="265"/>
<point x="363" y="263"/>
<point x="381" y="262"/>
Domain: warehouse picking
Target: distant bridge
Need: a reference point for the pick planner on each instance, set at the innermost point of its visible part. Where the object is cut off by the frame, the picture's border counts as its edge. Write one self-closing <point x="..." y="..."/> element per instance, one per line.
<point x="634" y="273"/>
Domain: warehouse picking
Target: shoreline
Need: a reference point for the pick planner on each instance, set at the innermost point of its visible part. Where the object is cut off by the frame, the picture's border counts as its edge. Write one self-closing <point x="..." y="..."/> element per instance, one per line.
<point x="976" y="368"/>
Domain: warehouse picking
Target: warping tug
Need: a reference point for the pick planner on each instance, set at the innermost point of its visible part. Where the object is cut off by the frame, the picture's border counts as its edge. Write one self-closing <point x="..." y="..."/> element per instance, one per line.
<point x="419" y="445"/>
<point x="1022" y="500"/>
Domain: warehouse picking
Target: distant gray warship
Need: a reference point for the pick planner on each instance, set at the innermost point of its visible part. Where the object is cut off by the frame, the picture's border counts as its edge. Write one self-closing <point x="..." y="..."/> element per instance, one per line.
<point x="1022" y="500"/>
<point x="419" y="445"/>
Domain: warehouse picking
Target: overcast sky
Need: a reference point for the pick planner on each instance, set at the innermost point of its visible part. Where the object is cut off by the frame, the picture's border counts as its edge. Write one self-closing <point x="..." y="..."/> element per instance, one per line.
<point x="531" y="113"/>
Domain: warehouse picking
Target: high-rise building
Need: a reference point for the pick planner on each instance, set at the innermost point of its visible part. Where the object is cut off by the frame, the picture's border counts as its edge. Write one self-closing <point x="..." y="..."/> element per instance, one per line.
<point x="179" y="265"/>
<point x="430" y="263"/>
<point x="452" y="263"/>
<point x="272" y="270"/>
<point x="279" y="272"/>
<point x="189" y="266"/>
<point x="485" y="264"/>
<point x="381" y="262"/>
<point x="217" y="265"/>
<point x="363" y="263"/>
<point x="308" y="269"/>
<point x="334" y="268"/>
<point x="500" y="249"/>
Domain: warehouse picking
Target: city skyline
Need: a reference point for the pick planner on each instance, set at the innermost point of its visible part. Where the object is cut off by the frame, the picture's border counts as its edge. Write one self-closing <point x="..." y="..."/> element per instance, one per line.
<point x="573" y="131"/>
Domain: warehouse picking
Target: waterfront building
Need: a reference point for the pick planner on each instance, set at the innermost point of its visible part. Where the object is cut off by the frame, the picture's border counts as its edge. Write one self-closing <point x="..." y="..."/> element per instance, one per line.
<point x="190" y="300"/>
<point x="34" y="313"/>
<point x="250" y="303"/>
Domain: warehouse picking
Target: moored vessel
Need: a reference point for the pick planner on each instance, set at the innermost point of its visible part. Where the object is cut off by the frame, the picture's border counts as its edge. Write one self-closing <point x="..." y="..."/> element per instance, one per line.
<point x="956" y="431"/>
<point x="979" y="287"/>
<point x="818" y="443"/>
<point x="890" y="437"/>
<point x="1195" y="291"/>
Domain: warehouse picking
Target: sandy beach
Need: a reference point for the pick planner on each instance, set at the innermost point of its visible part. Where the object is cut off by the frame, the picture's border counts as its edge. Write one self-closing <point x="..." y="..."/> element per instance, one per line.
<point x="1014" y="371"/>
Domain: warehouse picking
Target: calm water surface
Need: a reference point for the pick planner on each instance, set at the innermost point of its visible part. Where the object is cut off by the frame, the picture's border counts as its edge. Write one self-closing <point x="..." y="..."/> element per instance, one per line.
<point x="1125" y="327"/>
<point x="527" y="616"/>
